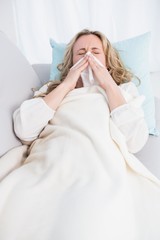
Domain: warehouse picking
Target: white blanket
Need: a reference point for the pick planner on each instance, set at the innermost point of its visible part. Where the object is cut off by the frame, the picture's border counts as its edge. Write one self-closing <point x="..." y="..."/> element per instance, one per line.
<point x="79" y="182"/>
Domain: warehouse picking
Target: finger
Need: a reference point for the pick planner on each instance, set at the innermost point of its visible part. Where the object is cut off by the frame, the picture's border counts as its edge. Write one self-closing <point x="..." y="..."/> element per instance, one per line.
<point x="82" y="67"/>
<point x="80" y="62"/>
<point x="97" y="62"/>
<point x="93" y="65"/>
<point x="85" y="60"/>
<point x="74" y="66"/>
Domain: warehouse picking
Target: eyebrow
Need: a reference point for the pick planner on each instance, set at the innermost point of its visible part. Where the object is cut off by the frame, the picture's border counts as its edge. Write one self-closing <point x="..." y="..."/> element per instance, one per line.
<point x="93" y="48"/>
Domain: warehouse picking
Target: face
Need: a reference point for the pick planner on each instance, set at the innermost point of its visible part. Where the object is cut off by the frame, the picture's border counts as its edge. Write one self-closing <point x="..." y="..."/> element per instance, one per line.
<point x="88" y="43"/>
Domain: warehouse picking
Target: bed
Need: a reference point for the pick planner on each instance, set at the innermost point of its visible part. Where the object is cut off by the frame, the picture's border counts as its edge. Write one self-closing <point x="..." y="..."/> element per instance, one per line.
<point x="47" y="195"/>
<point x="17" y="79"/>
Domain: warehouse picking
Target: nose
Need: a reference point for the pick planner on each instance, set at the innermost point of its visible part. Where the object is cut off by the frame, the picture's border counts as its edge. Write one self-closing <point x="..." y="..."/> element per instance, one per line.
<point x="88" y="53"/>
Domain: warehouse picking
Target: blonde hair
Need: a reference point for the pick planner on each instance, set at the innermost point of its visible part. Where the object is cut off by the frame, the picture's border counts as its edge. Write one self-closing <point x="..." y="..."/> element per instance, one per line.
<point x="114" y="64"/>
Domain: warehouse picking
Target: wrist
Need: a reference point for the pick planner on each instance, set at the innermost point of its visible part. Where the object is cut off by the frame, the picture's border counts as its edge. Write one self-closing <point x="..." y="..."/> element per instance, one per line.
<point x="66" y="85"/>
<point x="110" y="86"/>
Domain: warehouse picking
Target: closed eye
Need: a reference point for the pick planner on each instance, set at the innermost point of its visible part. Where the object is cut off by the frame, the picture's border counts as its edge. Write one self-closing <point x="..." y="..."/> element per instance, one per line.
<point x="96" y="53"/>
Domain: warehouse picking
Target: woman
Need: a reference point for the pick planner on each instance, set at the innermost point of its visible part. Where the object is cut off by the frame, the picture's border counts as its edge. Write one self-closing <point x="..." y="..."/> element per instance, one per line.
<point x="108" y="79"/>
<point x="80" y="179"/>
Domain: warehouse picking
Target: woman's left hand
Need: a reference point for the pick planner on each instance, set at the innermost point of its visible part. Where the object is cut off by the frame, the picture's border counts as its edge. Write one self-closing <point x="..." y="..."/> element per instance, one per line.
<point x="101" y="74"/>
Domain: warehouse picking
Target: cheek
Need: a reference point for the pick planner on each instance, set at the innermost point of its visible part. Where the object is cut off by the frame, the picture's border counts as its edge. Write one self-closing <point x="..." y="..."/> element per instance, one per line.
<point x="102" y="59"/>
<point x="76" y="58"/>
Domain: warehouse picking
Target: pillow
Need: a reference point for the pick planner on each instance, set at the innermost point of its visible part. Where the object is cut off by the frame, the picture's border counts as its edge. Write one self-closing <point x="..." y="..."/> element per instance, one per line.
<point x="17" y="77"/>
<point x="57" y="57"/>
<point x="134" y="53"/>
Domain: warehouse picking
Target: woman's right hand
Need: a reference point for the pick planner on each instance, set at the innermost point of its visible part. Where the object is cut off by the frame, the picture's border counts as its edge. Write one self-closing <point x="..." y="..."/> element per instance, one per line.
<point x="74" y="73"/>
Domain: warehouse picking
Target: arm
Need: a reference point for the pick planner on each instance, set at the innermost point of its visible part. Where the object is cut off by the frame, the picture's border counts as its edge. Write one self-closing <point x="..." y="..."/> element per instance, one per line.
<point x="30" y="119"/>
<point x="34" y="114"/>
<point x="125" y="108"/>
<point x="54" y="98"/>
<point x="114" y="95"/>
<point x="129" y="118"/>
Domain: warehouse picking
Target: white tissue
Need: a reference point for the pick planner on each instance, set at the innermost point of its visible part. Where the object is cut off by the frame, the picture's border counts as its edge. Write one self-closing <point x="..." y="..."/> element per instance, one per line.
<point x="87" y="74"/>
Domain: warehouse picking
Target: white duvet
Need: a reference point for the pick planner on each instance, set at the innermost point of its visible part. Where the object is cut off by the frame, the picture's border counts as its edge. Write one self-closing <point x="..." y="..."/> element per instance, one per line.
<point x="78" y="181"/>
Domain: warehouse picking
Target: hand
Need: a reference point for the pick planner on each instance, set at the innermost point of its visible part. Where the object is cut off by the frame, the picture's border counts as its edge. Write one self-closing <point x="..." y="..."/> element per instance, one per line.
<point x="74" y="73"/>
<point x="101" y="74"/>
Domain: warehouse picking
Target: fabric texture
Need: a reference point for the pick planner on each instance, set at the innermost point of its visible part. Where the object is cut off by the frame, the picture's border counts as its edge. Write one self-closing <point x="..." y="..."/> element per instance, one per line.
<point x="31" y="106"/>
<point x="135" y="54"/>
<point x="17" y="78"/>
<point x="34" y="114"/>
<point x="149" y="155"/>
<point x="78" y="180"/>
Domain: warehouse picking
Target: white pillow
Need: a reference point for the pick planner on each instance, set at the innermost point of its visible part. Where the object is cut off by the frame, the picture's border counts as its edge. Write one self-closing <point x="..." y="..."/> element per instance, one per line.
<point x="16" y="79"/>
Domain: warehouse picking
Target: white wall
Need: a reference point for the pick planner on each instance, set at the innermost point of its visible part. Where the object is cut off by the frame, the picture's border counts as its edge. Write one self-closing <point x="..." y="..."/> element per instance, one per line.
<point x="37" y="20"/>
<point x="7" y="20"/>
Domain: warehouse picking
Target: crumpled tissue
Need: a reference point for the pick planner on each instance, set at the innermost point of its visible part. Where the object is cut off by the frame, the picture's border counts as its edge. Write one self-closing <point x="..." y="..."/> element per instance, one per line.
<point x="87" y="73"/>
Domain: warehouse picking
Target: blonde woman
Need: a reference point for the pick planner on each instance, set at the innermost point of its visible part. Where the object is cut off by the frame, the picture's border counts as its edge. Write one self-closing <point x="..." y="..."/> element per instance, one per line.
<point x="108" y="78"/>
<point x="80" y="180"/>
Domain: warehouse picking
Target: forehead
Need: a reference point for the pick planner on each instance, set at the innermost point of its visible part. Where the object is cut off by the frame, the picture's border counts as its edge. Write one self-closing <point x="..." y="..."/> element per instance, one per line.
<point x="87" y="41"/>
